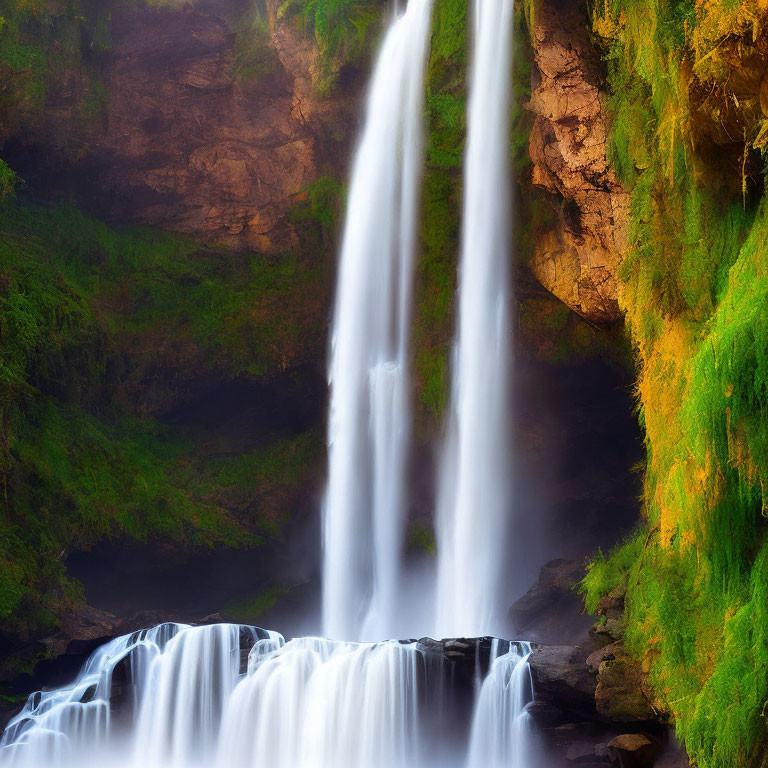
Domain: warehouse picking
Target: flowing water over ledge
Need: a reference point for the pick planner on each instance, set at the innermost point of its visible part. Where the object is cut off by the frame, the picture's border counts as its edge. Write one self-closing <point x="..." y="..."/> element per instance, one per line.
<point x="179" y="696"/>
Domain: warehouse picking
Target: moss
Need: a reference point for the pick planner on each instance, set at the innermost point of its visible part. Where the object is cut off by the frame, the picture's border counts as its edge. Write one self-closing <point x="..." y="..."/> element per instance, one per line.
<point x="249" y="610"/>
<point x="85" y="313"/>
<point x="8" y="180"/>
<point x="422" y="539"/>
<point x="254" y="56"/>
<point x="321" y="201"/>
<point x="44" y="47"/>
<point x="555" y="334"/>
<point x="441" y="202"/>
<point x="343" y="31"/>
<point x="695" y="290"/>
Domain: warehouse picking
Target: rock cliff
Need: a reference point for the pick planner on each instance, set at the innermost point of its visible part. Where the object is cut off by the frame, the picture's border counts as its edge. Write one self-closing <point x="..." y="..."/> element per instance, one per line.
<point x="577" y="260"/>
<point x="189" y="138"/>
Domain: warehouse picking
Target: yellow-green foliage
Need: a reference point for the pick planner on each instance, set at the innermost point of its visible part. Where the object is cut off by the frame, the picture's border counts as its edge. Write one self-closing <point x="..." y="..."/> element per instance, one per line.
<point x="85" y="313"/>
<point x="695" y="289"/>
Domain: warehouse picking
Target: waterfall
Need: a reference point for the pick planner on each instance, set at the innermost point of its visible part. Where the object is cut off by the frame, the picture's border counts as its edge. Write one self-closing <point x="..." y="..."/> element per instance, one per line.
<point x="230" y="696"/>
<point x="369" y="419"/>
<point x="149" y="698"/>
<point x="501" y="728"/>
<point x="183" y="697"/>
<point x="319" y="703"/>
<point x="474" y="500"/>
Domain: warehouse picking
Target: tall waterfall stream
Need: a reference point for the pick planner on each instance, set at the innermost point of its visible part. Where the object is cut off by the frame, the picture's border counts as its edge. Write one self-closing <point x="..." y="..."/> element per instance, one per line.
<point x="180" y="696"/>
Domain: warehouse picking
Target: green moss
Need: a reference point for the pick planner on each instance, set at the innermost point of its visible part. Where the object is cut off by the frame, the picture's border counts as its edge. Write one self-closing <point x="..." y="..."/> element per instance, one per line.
<point x="441" y="201"/>
<point x="322" y="201"/>
<point x="8" y="180"/>
<point x="255" y="58"/>
<point x="343" y="31"/>
<point x="422" y="539"/>
<point x="249" y="610"/>
<point x="695" y="288"/>
<point x="85" y="313"/>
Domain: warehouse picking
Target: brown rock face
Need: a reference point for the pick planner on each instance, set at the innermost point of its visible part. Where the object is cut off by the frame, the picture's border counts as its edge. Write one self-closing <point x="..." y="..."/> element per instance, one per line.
<point x="577" y="262"/>
<point x="188" y="143"/>
<point x="193" y="150"/>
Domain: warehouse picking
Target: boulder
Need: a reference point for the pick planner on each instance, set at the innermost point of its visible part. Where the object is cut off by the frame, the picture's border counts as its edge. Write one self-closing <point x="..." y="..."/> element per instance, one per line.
<point x="619" y="695"/>
<point x="551" y="611"/>
<point x="633" y="750"/>
<point x="562" y="679"/>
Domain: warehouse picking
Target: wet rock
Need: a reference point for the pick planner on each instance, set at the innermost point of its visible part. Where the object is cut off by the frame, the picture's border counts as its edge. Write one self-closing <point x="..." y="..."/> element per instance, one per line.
<point x="619" y="695"/>
<point x="578" y="260"/>
<point x="602" y="654"/>
<point x="612" y="605"/>
<point x="562" y="679"/>
<point x="551" y="611"/>
<point x="80" y="631"/>
<point x="633" y="750"/>
<point x="607" y="631"/>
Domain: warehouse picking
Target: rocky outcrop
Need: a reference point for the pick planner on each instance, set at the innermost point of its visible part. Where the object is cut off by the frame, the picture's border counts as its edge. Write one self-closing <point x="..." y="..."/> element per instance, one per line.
<point x="593" y="705"/>
<point x="552" y="611"/>
<point x="591" y="709"/>
<point x="184" y="139"/>
<point x="577" y="260"/>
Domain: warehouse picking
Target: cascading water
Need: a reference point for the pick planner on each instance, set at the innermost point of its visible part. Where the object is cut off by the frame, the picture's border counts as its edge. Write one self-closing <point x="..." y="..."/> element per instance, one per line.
<point x="501" y="728"/>
<point x="171" y="683"/>
<point x="176" y="697"/>
<point x="179" y="696"/>
<point x="474" y="499"/>
<point x="369" y="420"/>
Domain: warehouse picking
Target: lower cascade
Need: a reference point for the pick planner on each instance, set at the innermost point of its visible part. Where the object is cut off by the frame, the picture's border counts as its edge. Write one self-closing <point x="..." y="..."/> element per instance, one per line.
<point x="180" y="696"/>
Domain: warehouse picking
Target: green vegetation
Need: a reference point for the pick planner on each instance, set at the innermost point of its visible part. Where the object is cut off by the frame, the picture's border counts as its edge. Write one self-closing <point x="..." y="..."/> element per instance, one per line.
<point x="249" y="610"/>
<point x="43" y="48"/>
<point x="555" y="334"/>
<point x="441" y="201"/>
<point x="254" y="55"/>
<point x="8" y="180"/>
<point x="343" y="31"/>
<point x="88" y="316"/>
<point x="686" y="140"/>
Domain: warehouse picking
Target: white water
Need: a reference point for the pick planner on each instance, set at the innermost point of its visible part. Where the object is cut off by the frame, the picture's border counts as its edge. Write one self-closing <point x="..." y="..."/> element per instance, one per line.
<point x="501" y="728"/>
<point x="369" y="419"/>
<point x="474" y="506"/>
<point x="174" y="697"/>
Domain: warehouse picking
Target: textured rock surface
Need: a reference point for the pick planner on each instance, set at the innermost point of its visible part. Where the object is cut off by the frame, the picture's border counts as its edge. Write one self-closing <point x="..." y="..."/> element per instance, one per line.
<point x="187" y="145"/>
<point x="578" y="260"/>
<point x="551" y="611"/>
<point x="592" y="711"/>
<point x="633" y="750"/>
<point x="619" y="695"/>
